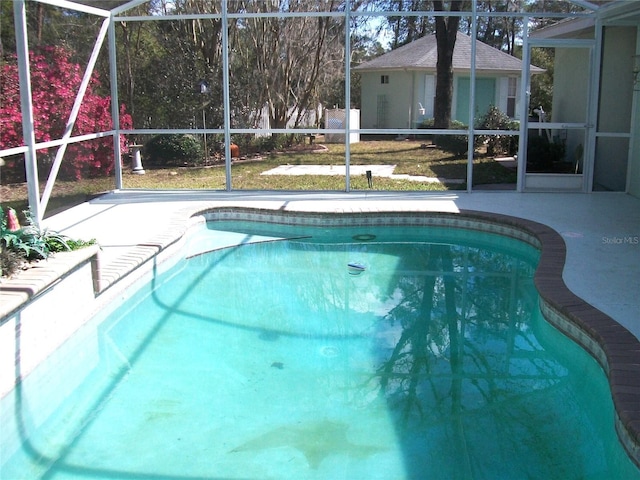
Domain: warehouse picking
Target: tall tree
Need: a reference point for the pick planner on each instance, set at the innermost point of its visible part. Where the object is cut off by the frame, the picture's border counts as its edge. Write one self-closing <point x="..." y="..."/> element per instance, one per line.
<point x="407" y="28"/>
<point x="446" y="31"/>
<point x="499" y="32"/>
<point x="551" y="6"/>
<point x="288" y="59"/>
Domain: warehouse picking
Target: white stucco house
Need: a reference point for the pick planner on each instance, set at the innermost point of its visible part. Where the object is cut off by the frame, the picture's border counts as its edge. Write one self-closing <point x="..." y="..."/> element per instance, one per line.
<point x="398" y="88"/>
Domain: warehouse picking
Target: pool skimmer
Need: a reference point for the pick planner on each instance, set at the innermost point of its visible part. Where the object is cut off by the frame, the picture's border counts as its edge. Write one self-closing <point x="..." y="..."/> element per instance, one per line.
<point x="356" y="268"/>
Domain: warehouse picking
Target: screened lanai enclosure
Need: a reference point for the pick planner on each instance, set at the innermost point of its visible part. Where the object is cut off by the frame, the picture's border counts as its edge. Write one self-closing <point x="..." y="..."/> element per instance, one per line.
<point x="333" y="95"/>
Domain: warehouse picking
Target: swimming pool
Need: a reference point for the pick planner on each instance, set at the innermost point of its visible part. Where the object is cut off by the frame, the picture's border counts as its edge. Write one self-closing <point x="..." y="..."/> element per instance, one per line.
<point x="327" y="372"/>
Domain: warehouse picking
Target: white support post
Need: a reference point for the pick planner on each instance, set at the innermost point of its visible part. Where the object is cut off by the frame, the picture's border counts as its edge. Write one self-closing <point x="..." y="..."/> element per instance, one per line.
<point x="55" y="168"/>
<point x="472" y="100"/>
<point x="525" y="93"/>
<point x="589" y="154"/>
<point x="633" y="166"/>
<point x="347" y="94"/>
<point x="26" y="104"/>
<point x="225" y="93"/>
<point x="115" y="104"/>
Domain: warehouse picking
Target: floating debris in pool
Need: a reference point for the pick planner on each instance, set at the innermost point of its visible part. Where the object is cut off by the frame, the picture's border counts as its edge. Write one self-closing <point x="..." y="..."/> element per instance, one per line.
<point x="356" y="268"/>
<point x="278" y="365"/>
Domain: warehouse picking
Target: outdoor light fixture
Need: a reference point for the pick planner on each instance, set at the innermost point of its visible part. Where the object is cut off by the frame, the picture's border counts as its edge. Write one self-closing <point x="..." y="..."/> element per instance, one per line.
<point x="203" y="88"/>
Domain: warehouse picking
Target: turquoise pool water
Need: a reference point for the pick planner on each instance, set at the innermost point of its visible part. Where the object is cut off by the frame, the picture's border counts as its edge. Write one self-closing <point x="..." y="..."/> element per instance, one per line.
<point x="276" y="360"/>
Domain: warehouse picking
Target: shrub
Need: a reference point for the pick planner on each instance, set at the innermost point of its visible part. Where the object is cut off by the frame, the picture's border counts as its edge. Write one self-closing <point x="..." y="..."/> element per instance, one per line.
<point x="250" y="143"/>
<point x="456" y="144"/>
<point x="427" y="123"/>
<point x="173" y="149"/>
<point x="495" y="119"/>
<point x="10" y="262"/>
<point x="543" y="155"/>
<point x="19" y="245"/>
<point x="265" y="144"/>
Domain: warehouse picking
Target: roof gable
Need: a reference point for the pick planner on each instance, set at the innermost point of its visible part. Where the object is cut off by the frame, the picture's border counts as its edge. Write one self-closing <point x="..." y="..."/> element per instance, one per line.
<point x="422" y="54"/>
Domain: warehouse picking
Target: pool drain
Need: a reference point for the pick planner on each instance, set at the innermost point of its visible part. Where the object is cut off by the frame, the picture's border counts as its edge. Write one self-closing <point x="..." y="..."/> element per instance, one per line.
<point x="364" y="237"/>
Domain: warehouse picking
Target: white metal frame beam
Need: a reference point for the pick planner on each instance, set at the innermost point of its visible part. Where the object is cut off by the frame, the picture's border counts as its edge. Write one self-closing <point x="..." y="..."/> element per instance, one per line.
<point x="26" y="105"/>
<point x="55" y="168"/>
<point x="38" y="205"/>
<point x="78" y="7"/>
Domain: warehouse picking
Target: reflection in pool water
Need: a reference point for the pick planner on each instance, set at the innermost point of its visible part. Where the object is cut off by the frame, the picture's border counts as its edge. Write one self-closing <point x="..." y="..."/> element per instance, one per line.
<point x="271" y="361"/>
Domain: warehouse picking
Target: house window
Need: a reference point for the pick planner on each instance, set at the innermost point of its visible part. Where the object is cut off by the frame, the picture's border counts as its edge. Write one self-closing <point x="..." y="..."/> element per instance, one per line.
<point x="384" y="79"/>
<point x="511" y="96"/>
<point x="429" y="95"/>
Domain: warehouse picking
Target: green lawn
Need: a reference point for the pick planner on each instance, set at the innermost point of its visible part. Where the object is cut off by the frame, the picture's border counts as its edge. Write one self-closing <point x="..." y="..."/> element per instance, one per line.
<point x="410" y="157"/>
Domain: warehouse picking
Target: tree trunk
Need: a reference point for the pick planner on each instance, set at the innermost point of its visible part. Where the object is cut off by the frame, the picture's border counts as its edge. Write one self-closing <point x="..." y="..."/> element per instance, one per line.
<point x="129" y="76"/>
<point x="446" y="31"/>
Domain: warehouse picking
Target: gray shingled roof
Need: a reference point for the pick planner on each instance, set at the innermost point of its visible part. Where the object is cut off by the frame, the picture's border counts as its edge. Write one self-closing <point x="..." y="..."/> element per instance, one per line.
<point x="422" y="54"/>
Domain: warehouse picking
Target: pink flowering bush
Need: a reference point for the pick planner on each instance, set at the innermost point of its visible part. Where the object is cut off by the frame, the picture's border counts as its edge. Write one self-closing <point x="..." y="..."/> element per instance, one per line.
<point x="54" y="83"/>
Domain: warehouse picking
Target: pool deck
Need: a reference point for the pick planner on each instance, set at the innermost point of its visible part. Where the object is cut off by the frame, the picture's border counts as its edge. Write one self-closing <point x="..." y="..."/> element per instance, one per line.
<point x="601" y="230"/>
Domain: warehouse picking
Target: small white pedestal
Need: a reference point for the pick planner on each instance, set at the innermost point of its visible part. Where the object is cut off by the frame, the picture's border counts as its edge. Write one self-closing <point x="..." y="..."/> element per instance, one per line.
<point x="136" y="159"/>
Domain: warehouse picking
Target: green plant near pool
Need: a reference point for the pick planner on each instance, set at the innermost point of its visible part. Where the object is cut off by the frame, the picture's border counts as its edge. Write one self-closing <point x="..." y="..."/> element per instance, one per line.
<point x="20" y="245"/>
<point x="173" y="149"/>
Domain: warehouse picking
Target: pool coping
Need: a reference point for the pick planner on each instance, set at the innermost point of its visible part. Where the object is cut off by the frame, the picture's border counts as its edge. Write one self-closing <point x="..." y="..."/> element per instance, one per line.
<point x="614" y="347"/>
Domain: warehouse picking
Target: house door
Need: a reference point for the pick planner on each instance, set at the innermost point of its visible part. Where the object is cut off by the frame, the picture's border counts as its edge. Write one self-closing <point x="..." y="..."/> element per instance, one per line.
<point x="559" y="124"/>
<point x="485" y="97"/>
